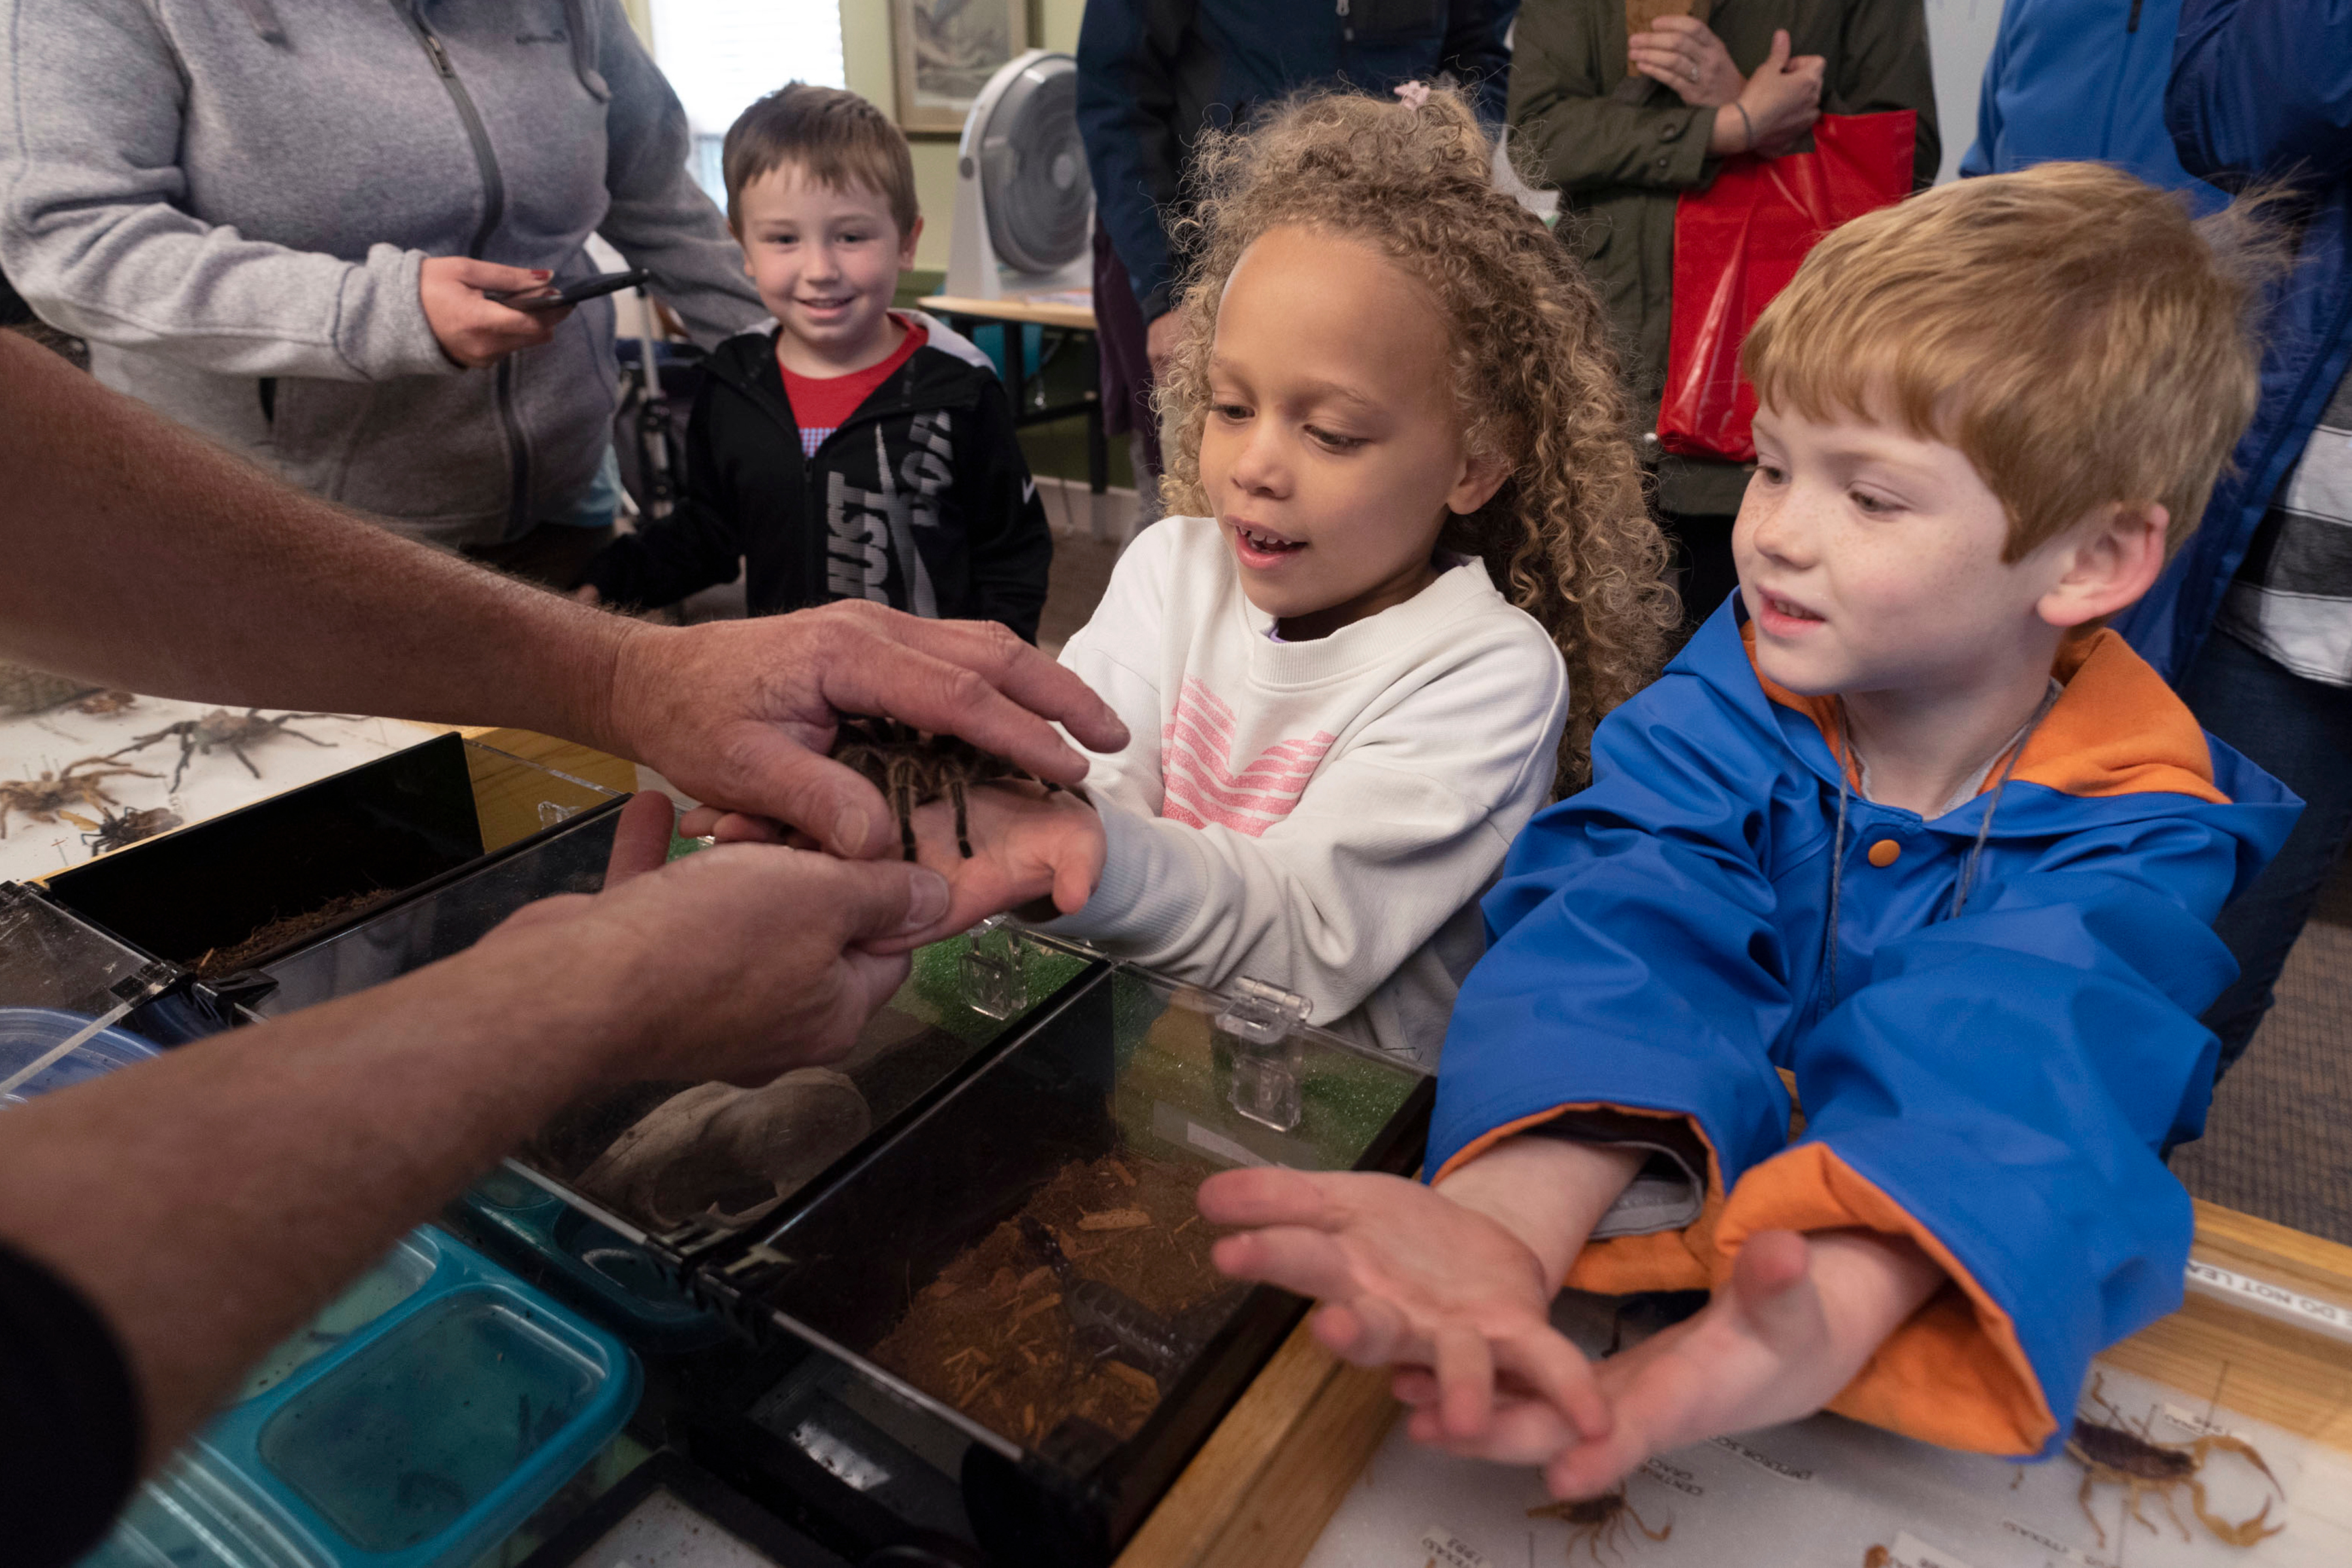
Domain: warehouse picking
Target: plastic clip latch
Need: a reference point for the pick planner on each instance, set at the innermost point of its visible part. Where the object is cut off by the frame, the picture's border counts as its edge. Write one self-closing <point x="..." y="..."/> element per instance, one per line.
<point x="1257" y="1023"/>
<point x="995" y="984"/>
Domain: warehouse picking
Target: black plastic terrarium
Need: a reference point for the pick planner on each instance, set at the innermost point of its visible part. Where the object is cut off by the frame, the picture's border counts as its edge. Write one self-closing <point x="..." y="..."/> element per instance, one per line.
<point x="253" y="907"/>
<point x="1023" y="1262"/>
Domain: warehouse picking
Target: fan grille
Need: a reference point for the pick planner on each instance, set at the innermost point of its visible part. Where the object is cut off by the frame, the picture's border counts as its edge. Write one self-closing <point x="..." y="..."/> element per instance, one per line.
<point x="1032" y="168"/>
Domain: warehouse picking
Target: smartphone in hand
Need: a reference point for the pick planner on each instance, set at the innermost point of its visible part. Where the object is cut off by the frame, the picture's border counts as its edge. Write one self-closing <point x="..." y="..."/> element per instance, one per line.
<point x="551" y="297"/>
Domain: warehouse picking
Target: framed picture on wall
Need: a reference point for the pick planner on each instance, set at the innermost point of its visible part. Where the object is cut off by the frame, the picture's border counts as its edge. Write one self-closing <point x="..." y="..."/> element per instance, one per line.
<point x="946" y="50"/>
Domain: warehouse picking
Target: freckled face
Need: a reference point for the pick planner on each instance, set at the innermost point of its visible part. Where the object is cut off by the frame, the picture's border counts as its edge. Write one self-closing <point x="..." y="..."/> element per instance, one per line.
<point x="1870" y="560"/>
<point x="1330" y="453"/>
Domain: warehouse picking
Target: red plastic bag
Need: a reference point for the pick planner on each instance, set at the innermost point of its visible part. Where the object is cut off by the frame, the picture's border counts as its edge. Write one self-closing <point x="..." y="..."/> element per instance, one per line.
<point x="1738" y="244"/>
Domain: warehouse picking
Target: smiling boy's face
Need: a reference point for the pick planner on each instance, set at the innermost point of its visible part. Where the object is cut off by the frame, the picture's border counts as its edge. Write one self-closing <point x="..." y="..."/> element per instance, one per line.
<point x="827" y="263"/>
<point x="1870" y="560"/>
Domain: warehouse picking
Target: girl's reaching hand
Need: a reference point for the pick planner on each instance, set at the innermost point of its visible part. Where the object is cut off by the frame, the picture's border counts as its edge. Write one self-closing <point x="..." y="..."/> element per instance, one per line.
<point x="1028" y="845"/>
<point x="1408" y="1276"/>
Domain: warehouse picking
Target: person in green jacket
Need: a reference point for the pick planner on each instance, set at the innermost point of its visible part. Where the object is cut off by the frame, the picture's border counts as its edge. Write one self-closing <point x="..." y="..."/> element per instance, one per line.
<point x="1624" y="123"/>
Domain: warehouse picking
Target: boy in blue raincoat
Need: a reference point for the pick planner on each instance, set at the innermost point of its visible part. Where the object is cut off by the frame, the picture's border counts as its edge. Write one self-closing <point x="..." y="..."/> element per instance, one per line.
<point x="1900" y="828"/>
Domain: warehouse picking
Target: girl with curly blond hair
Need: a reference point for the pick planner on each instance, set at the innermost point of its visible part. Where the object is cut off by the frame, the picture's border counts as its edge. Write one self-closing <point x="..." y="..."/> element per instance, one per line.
<point x="1411" y="570"/>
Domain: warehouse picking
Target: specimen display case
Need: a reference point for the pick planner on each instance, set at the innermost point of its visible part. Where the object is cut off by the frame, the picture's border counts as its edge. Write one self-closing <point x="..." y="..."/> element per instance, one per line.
<point x="2219" y="1435"/>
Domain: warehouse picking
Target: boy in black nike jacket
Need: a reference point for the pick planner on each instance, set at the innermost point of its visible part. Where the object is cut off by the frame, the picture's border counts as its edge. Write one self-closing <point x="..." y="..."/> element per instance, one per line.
<point x="843" y="450"/>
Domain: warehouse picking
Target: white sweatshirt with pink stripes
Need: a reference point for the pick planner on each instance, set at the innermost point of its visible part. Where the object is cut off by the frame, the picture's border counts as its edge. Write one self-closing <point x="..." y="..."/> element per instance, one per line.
<point x="1320" y="815"/>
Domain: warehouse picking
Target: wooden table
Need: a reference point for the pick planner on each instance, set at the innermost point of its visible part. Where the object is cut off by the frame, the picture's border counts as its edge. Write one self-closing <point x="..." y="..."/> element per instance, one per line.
<point x="1014" y="312"/>
<point x="1260" y="1490"/>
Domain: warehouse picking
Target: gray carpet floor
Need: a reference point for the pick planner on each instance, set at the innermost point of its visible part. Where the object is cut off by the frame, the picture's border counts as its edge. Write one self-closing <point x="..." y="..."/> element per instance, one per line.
<point x="2279" y="1141"/>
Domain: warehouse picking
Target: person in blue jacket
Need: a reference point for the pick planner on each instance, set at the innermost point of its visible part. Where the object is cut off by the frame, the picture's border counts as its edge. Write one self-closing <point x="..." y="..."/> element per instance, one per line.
<point x="2253" y="620"/>
<point x="2082" y="78"/>
<point x="1903" y="831"/>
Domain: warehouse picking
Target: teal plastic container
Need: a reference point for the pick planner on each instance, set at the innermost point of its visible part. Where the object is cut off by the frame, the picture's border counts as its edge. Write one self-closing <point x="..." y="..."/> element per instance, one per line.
<point x="424" y="1416"/>
<point x="419" y="1418"/>
<point x="417" y="1421"/>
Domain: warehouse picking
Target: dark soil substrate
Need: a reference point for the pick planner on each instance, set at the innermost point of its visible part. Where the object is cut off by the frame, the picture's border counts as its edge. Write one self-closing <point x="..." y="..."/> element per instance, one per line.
<point x="266" y="939"/>
<point x="989" y="1334"/>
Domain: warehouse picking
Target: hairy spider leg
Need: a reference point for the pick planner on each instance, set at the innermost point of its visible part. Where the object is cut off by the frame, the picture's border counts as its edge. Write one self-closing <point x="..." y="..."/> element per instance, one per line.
<point x="238" y="749"/>
<point x="902" y="799"/>
<point x="963" y="833"/>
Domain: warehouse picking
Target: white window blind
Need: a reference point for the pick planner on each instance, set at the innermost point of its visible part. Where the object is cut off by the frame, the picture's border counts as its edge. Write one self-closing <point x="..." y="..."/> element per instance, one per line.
<point x="720" y="55"/>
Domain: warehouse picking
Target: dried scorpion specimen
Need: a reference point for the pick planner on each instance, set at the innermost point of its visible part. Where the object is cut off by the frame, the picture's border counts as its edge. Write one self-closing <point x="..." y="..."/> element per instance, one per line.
<point x="112" y="832"/>
<point x="2119" y="1456"/>
<point x="222" y="728"/>
<point x="44" y="799"/>
<point x="911" y="769"/>
<point x="1597" y="1522"/>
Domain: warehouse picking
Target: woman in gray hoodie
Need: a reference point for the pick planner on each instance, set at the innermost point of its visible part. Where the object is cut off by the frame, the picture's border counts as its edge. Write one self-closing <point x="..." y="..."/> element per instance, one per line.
<point x="275" y="220"/>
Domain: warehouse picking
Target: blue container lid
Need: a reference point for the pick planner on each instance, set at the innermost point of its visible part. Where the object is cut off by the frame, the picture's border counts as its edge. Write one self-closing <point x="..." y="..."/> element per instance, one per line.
<point x="28" y="1034"/>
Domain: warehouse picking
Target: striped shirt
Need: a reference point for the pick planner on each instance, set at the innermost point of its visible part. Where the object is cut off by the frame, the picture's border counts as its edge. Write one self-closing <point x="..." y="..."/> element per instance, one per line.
<point x="2292" y="601"/>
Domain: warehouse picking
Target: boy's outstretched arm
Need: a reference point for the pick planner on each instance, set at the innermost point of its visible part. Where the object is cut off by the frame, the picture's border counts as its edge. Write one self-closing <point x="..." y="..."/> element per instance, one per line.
<point x="1797" y="1322"/>
<point x="1455" y="1281"/>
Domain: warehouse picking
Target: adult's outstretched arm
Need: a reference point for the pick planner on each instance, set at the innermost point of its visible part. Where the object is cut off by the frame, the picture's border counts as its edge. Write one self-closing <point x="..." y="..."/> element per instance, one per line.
<point x="142" y="555"/>
<point x="206" y="1202"/>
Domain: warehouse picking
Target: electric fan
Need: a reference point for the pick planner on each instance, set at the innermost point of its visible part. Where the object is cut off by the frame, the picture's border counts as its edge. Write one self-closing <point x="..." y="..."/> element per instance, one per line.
<point x="1024" y="208"/>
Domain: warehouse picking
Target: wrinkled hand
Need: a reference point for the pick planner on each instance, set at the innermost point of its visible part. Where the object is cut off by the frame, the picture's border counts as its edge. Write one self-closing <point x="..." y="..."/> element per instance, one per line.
<point x="740" y="713"/>
<point x="475" y="331"/>
<point x="1798" y="1321"/>
<point x="736" y="963"/>
<point x="1681" y="52"/>
<point x="1408" y="1276"/>
<point x="1027" y="844"/>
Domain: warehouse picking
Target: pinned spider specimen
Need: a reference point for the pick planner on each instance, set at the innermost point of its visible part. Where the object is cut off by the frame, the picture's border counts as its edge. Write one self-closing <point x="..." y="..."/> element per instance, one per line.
<point x="1597" y="1522"/>
<point x="44" y="799"/>
<point x="222" y="728"/>
<point x="911" y="769"/>
<point x="2118" y="1455"/>
<point x="110" y="832"/>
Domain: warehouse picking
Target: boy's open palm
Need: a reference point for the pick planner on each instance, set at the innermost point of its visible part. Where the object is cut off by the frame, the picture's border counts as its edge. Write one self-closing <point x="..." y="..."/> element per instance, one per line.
<point x="1798" y="1320"/>
<point x="1409" y="1277"/>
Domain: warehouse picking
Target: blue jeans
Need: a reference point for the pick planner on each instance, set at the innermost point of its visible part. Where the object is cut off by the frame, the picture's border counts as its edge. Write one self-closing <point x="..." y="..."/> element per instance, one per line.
<point x="2299" y="732"/>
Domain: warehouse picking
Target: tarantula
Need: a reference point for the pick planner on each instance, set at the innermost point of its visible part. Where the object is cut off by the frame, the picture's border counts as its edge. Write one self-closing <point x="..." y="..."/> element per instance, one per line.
<point x="911" y="769"/>
<point x="222" y="728"/>
<point x="44" y="799"/>
<point x="112" y="832"/>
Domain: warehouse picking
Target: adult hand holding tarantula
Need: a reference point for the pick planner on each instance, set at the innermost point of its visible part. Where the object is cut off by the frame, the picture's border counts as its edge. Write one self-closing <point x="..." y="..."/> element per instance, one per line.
<point x="742" y="714"/>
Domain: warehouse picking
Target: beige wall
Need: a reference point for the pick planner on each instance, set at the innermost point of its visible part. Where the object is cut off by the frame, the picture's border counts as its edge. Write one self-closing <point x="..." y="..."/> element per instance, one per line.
<point x="866" y="60"/>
